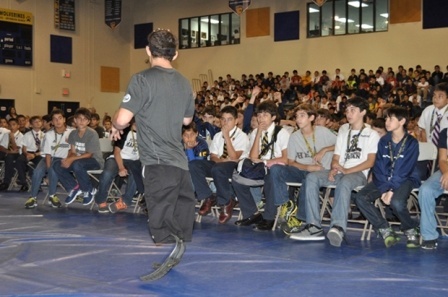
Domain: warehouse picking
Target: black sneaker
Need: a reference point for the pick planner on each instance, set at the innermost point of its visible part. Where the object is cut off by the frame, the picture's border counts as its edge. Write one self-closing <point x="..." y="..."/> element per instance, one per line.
<point x="429" y="244"/>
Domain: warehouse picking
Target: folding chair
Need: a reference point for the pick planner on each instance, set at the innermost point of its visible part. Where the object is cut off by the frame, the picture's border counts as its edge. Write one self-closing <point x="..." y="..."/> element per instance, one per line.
<point x="427" y="152"/>
<point x="327" y="206"/>
<point x="94" y="174"/>
<point x="15" y="177"/>
<point x="277" y="217"/>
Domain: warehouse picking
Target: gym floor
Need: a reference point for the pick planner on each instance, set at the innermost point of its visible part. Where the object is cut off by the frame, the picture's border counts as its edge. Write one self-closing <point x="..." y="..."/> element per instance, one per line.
<point x="77" y="252"/>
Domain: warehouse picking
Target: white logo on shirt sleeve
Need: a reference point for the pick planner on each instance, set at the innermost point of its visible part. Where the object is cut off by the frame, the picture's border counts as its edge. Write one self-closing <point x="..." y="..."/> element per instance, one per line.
<point x="127" y="98"/>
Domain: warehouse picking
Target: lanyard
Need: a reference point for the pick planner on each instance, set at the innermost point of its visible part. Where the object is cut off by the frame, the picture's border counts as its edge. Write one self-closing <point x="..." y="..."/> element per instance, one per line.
<point x="394" y="158"/>
<point x="313" y="152"/>
<point x="56" y="140"/>
<point x="354" y="143"/>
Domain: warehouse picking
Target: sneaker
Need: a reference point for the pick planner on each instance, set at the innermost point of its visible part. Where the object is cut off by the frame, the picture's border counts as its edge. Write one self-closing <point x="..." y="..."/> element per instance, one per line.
<point x="117" y="206"/>
<point x="429" y="244"/>
<point x="413" y="236"/>
<point x="89" y="196"/>
<point x="335" y="235"/>
<point x="72" y="195"/>
<point x="103" y="207"/>
<point x="287" y="210"/>
<point x="54" y="201"/>
<point x="309" y="233"/>
<point x="293" y="225"/>
<point x="389" y="236"/>
<point x="31" y="203"/>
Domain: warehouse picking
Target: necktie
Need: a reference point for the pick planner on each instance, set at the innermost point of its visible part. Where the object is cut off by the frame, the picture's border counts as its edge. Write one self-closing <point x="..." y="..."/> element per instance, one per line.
<point x="264" y="144"/>
<point x="436" y="131"/>
<point x="37" y="141"/>
<point x="224" y="151"/>
<point x="435" y="135"/>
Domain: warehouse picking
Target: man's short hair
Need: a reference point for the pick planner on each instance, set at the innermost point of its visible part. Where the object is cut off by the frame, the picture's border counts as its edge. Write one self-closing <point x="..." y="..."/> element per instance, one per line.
<point x="442" y="87"/>
<point x="34" y="118"/>
<point x="53" y="113"/>
<point x="162" y="44"/>
<point x="84" y="112"/>
<point x="47" y="118"/>
<point x="191" y="126"/>
<point x="398" y="112"/>
<point x="230" y="110"/>
<point x="20" y="116"/>
<point x="359" y="102"/>
<point x="308" y="108"/>
<point x="95" y="116"/>
<point x="210" y="110"/>
<point x="268" y="107"/>
<point x="13" y="120"/>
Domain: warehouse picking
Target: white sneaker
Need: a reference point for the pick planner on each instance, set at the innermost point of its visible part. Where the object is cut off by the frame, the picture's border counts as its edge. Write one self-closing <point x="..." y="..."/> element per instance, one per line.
<point x="309" y="233"/>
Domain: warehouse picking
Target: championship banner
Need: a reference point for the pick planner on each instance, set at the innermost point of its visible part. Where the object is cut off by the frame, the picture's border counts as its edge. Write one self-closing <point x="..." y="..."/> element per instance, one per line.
<point x="112" y="13"/>
<point x="64" y="14"/>
<point x="239" y="6"/>
<point x="15" y="16"/>
<point x="319" y="2"/>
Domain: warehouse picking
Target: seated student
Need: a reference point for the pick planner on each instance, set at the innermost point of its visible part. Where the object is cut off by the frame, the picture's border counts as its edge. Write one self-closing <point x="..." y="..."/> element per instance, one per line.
<point x="227" y="147"/>
<point x="95" y="125"/>
<point x="195" y="147"/>
<point x="46" y="123"/>
<point x="205" y="125"/>
<point x="435" y="185"/>
<point x="126" y="163"/>
<point x="23" y="124"/>
<point x="394" y="178"/>
<point x="309" y="149"/>
<point x="14" y="158"/>
<point x="32" y="141"/>
<point x="353" y="156"/>
<point x="54" y="148"/>
<point x="85" y="154"/>
<point x="268" y="144"/>
<point x="107" y="124"/>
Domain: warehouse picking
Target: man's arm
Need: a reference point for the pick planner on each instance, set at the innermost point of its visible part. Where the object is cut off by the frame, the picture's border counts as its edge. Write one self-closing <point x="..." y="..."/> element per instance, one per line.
<point x="187" y="121"/>
<point x="122" y="118"/>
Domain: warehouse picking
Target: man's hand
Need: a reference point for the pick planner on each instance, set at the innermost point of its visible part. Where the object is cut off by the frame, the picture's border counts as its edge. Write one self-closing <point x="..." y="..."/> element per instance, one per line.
<point x="115" y="134"/>
<point x="444" y="181"/>
<point x="123" y="172"/>
<point x="65" y="163"/>
<point x="387" y="197"/>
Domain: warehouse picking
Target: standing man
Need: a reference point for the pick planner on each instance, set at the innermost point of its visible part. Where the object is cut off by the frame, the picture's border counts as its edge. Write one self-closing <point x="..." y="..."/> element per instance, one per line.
<point x="161" y="100"/>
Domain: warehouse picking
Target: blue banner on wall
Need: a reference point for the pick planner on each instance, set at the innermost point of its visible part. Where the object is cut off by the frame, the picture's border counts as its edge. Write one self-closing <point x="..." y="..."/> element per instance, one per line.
<point x="112" y="13"/>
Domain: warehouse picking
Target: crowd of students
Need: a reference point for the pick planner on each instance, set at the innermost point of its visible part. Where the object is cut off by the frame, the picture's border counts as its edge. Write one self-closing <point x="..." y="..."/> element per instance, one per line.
<point x="357" y="133"/>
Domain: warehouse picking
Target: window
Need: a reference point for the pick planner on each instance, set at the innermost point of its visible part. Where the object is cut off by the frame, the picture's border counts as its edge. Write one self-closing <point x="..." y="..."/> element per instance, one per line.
<point x="209" y="30"/>
<point x="340" y="17"/>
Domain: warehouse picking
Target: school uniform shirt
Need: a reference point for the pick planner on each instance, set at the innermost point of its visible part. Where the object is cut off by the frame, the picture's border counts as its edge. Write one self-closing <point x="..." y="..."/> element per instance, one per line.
<point x="4" y="137"/>
<point x="240" y="142"/>
<point x="56" y="144"/>
<point x="405" y="157"/>
<point x="279" y="145"/>
<point x="300" y="152"/>
<point x="425" y="120"/>
<point x="352" y="153"/>
<point x="18" y="137"/>
<point x="128" y="145"/>
<point x="30" y="138"/>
